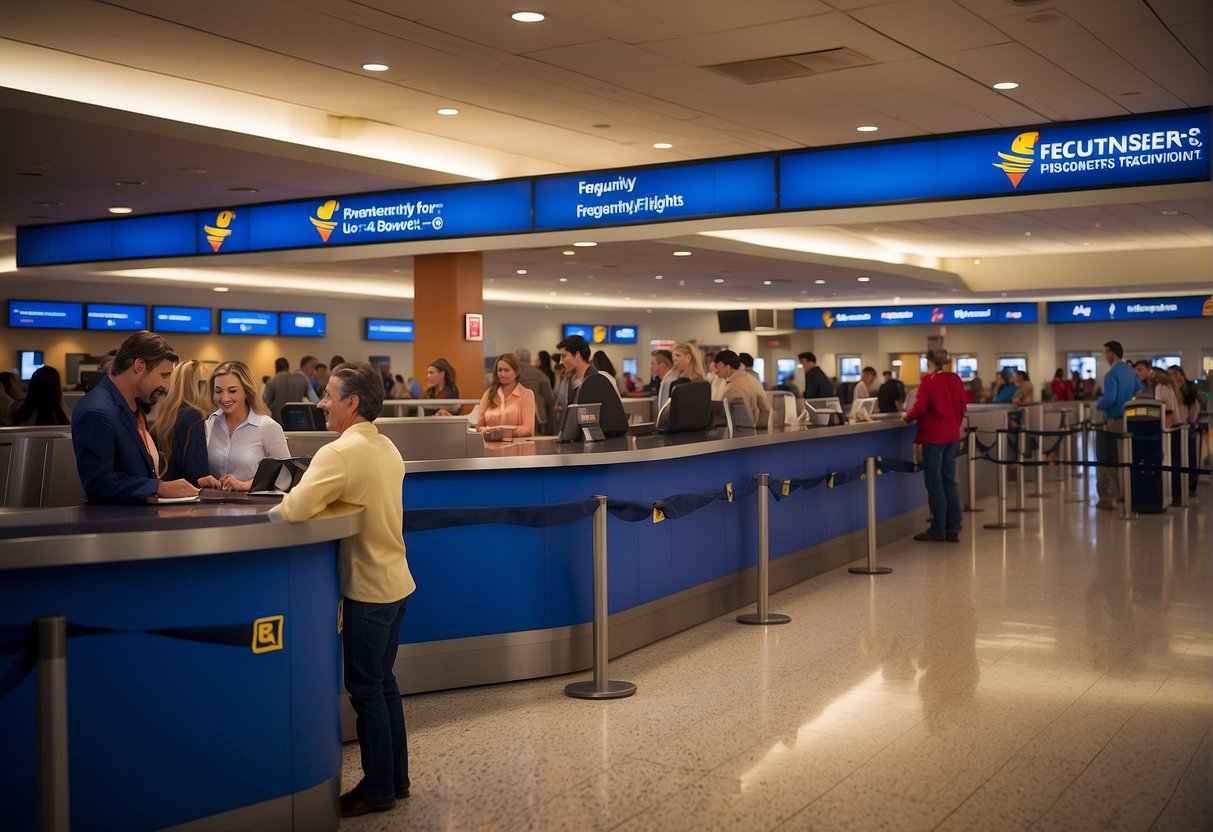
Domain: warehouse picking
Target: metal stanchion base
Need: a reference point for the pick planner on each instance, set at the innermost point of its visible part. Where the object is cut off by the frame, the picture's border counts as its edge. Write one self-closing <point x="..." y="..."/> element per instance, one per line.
<point x="863" y="570"/>
<point x="772" y="618"/>
<point x="1001" y="526"/>
<point x="587" y="690"/>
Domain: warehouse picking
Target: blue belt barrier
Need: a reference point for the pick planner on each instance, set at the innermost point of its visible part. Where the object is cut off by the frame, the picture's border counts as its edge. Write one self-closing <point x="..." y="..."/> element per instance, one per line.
<point x="537" y="517"/>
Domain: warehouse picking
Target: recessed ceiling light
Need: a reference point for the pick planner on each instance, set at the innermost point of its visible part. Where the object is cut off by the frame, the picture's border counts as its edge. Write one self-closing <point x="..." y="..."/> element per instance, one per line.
<point x="245" y="190"/>
<point x="121" y="210"/>
<point x="662" y="145"/>
<point x="126" y="183"/>
<point x="1169" y="212"/>
<point x="220" y="289"/>
<point x="682" y="254"/>
<point x="552" y="294"/>
<point x="520" y="271"/>
<point x="627" y="297"/>
<point x="1027" y="233"/>
<point x="447" y="111"/>
<point x="659" y="277"/>
<point x="819" y="281"/>
<point x="376" y="67"/>
<point x="585" y="244"/>
<point x="568" y="253"/>
<point x="527" y="17"/>
<point x="193" y="170"/>
<point x="1006" y="85"/>
<point x="867" y="128"/>
<point x="564" y="280"/>
<point x="718" y="280"/>
<point x="977" y="261"/>
<point x="863" y="279"/>
<point x="766" y="283"/>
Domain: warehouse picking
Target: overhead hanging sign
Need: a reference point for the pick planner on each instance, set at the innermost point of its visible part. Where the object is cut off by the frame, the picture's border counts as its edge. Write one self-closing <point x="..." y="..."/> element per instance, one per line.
<point x="968" y="313"/>
<point x="1129" y="309"/>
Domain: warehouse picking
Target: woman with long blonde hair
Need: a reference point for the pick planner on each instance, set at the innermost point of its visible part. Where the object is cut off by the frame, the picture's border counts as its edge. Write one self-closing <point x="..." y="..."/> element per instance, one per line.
<point x="686" y="361"/>
<point x="241" y="432"/>
<point x="179" y="428"/>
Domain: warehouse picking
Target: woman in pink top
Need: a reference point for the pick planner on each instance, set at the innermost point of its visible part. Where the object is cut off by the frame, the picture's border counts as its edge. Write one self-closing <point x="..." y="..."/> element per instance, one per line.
<point x="506" y="402"/>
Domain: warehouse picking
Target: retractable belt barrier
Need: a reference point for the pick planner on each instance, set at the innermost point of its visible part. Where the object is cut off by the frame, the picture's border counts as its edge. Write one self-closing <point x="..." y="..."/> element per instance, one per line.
<point x="1012" y="459"/>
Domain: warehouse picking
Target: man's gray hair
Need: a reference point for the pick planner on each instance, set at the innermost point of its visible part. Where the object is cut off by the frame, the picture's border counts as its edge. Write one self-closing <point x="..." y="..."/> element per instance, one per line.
<point x="524" y="355"/>
<point x="361" y="379"/>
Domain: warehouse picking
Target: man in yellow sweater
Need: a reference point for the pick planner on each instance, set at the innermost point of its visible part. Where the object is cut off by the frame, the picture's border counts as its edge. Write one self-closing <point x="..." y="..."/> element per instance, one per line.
<point x="363" y="468"/>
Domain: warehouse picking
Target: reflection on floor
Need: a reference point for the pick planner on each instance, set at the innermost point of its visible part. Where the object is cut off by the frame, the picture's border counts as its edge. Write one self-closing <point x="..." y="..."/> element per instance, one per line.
<point x="1053" y="677"/>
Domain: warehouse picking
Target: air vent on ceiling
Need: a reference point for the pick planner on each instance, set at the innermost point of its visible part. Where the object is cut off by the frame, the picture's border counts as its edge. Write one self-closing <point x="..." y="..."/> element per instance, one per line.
<point x="782" y="67"/>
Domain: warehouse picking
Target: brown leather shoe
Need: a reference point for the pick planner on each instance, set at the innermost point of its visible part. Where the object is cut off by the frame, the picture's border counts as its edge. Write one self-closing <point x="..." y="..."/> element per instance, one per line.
<point x="353" y="805"/>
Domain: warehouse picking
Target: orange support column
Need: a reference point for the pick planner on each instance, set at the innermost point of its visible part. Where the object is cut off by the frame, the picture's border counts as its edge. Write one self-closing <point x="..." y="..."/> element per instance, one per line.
<point x="445" y="288"/>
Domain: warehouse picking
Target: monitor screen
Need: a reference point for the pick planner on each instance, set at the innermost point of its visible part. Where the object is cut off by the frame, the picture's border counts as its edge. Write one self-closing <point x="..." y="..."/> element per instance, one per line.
<point x="45" y="314"/>
<point x="624" y="334"/>
<point x="29" y="361"/>
<point x="734" y="320"/>
<point x="579" y="416"/>
<point x="196" y="319"/>
<point x="586" y="331"/>
<point x="303" y="324"/>
<point x="966" y="366"/>
<point x="246" y="322"/>
<point x="115" y="316"/>
<point x="389" y="329"/>
<point x="629" y="366"/>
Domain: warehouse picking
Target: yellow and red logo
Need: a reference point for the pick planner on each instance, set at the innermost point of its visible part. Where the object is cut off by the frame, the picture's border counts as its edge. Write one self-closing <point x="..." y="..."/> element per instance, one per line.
<point x="217" y="233"/>
<point x="324" y="221"/>
<point x="1021" y="158"/>
<point x="936" y="315"/>
<point x="827" y="317"/>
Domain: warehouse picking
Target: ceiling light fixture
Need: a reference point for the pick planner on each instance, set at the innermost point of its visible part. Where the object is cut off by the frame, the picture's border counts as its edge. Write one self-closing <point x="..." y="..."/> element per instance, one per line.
<point x="863" y="279"/>
<point x="527" y="17"/>
<point x="766" y="283"/>
<point x="447" y="111"/>
<point x="1006" y="85"/>
<point x="220" y="289"/>
<point x="867" y="128"/>
<point x="585" y="244"/>
<point x="121" y="210"/>
<point x="568" y="253"/>
<point x="819" y="281"/>
<point x="520" y="271"/>
<point x="564" y="280"/>
<point x="662" y="145"/>
<point x="718" y="280"/>
<point x="682" y="254"/>
<point x="376" y="67"/>
<point x="659" y="277"/>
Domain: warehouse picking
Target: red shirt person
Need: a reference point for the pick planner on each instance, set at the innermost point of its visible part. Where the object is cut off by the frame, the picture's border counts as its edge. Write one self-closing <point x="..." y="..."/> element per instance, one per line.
<point x="939" y="410"/>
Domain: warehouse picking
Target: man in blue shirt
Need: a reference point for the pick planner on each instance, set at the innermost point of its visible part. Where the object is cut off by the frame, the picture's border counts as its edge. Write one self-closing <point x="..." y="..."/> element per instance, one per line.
<point x="1119" y="385"/>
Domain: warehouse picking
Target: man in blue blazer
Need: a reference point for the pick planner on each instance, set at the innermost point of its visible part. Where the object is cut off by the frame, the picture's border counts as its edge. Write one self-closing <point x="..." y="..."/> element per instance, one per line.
<point x="115" y="455"/>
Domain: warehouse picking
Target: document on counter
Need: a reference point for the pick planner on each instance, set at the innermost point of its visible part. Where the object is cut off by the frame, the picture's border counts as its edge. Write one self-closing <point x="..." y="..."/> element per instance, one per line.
<point x="170" y="500"/>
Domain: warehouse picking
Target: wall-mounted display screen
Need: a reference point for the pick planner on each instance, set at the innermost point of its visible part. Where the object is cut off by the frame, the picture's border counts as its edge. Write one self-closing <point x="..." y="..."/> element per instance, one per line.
<point x="196" y="319"/>
<point x="968" y="313"/>
<point x="1128" y="309"/>
<point x="115" y="316"/>
<point x="304" y="324"/>
<point x="624" y="334"/>
<point x="389" y="329"/>
<point x="45" y="314"/>
<point x="245" y="322"/>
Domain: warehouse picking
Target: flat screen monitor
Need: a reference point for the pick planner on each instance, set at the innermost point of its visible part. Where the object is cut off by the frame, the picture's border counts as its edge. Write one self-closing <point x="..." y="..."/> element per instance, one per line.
<point x="577" y="417"/>
<point x="115" y="317"/>
<point x="862" y="410"/>
<point x="734" y="320"/>
<point x="247" y="322"/>
<point x="738" y="417"/>
<point x="195" y="319"/>
<point x="586" y="331"/>
<point x="630" y="366"/>
<point x="850" y="367"/>
<point x="301" y="324"/>
<point x="29" y="361"/>
<point x="45" y="314"/>
<point x="624" y="334"/>
<point x="389" y="329"/>
<point x="966" y="366"/>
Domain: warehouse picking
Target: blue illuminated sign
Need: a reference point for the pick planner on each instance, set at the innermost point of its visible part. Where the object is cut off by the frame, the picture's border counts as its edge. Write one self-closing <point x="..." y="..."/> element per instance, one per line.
<point x="389" y="329"/>
<point x="1049" y="158"/>
<point x="586" y="331"/>
<point x="967" y="313"/>
<point x="623" y="334"/>
<point x="115" y="316"/>
<point x="305" y="324"/>
<point x="585" y="200"/>
<point x="243" y="322"/>
<point x="1129" y="309"/>
<point x="181" y="319"/>
<point x="45" y="314"/>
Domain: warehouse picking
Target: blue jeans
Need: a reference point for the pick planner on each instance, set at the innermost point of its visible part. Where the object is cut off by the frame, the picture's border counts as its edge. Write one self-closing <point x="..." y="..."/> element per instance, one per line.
<point x="943" y="493"/>
<point x="370" y="636"/>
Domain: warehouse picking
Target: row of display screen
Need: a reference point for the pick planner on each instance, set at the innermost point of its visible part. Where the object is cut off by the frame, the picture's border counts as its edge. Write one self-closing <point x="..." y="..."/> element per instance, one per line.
<point x="602" y="333"/>
<point x="198" y="320"/>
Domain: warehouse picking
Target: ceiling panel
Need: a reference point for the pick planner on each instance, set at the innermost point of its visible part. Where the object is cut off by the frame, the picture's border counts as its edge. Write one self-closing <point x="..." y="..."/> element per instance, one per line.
<point x="933" y="27"/>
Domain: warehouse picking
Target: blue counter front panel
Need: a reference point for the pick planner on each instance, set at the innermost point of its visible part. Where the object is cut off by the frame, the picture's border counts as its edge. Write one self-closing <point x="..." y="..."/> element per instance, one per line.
<point x="164" y="730"/>
<point x="506" y="579"/>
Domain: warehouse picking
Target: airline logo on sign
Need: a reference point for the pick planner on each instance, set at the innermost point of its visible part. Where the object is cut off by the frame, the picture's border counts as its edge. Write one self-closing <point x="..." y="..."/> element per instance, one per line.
<point x="324" y="221"/>
<point x="220" y="231"/>
<point x="1021" y="158"/>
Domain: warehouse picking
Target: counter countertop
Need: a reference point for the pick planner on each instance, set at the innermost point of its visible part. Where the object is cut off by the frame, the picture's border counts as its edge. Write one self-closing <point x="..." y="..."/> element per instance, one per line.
<point x="95" y="533"/>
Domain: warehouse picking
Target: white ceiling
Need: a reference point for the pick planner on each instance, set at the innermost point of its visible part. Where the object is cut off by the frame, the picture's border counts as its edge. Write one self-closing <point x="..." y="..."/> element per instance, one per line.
<point x="271" y="96"/>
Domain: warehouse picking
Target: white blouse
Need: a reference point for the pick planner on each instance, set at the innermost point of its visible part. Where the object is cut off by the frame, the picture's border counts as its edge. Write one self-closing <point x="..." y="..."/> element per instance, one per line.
<point x="239" y="453"/>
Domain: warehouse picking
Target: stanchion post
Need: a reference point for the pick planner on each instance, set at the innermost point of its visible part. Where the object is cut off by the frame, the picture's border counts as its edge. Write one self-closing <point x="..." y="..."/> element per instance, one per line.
<point x="1126" y="476"/>
<point x="601" y="687"/>
<point x="1002" y="485"/>
<point x="54" y="794"/>
<point x="1080" y="495"/>
<point x="869" y="467"/>
<point x="1021" y="473"/>
<point x="1040" y="468"/>
<point x="1184" y="462"/>
<point x="763" y="616"/>
<point x="971" y="468"/>
<point x="1063" y="446"/>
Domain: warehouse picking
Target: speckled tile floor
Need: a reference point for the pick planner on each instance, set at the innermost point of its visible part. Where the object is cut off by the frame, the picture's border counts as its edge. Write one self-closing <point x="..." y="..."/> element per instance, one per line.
<point x="1050" y="677"/>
